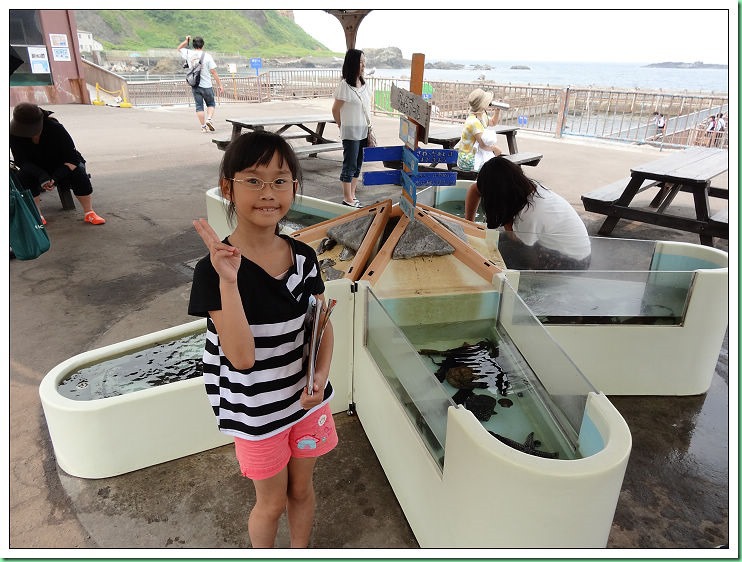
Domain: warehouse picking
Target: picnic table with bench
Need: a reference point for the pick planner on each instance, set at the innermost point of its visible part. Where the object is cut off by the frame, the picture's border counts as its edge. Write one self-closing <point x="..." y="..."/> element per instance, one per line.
<point x="689" y="170"/>
<point x="289" y="127"/>
<point x="448" y="135"/>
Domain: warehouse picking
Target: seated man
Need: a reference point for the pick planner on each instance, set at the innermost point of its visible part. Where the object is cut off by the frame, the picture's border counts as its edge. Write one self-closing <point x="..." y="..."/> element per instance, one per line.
<point x="46" y="155"/>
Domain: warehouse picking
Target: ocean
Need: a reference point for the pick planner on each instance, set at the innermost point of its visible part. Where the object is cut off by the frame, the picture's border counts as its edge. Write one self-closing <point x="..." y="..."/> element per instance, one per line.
<point x="579" y="74"/>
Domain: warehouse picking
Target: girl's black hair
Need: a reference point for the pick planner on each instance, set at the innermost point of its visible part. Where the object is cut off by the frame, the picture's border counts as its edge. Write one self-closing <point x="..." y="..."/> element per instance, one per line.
<point x="352" y="67"/>
<point x="256" y="149"/>
<point x="505" y="191"/>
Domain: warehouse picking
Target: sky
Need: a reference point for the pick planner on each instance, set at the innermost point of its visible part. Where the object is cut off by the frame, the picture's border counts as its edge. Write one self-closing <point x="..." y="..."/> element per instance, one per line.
<point x="603" y="35"/>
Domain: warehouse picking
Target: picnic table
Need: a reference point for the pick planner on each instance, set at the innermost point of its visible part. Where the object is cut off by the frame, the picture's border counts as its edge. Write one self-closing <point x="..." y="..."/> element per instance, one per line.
<point x="289" y="127"/>
<point x="447" y="136"/>
<point x="691" y="171"/>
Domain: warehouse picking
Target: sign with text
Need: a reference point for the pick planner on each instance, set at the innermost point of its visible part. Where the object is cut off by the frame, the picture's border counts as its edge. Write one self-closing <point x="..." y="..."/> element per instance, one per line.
<point x="408" y="208"/>
<point x="257" y="64"/>
<point x="407" y="133"/>
<point x="413" y="106"/>
<point x="409" y="160"/>
<point x="39" y="60"/>
<point x="393" y="177"/>
<point x="426" y="155"/>
<point x="409" y="187"/>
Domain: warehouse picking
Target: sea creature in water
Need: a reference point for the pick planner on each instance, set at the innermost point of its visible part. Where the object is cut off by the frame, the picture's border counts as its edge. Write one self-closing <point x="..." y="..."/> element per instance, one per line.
<point x="529" y="446"/>
<point x="481" y="405"/>
<point x="505" y="402"/>
<point x="475" y="367"/>
<point x="461" y="396"/>
<point x="325" y="245"/>
<point x="463" y="377"/>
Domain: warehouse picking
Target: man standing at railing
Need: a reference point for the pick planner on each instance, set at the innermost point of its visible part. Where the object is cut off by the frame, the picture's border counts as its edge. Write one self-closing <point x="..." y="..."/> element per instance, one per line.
<point x="204" y="92"/>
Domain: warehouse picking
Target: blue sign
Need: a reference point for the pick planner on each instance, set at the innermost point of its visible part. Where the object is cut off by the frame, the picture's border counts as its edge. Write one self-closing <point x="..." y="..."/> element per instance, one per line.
<point x="407" y="208"/>
<point x="394" y="177"/>
<point x="409" y="187"/>
<point x="257" y="64"/>
<point x="522" y="119"/>
<point x="409" y="160"/>
<point x="425" y="155"/>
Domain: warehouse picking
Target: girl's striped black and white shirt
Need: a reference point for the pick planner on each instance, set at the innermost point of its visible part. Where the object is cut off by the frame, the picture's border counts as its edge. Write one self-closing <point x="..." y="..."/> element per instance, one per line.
<point x="262" y="401"/>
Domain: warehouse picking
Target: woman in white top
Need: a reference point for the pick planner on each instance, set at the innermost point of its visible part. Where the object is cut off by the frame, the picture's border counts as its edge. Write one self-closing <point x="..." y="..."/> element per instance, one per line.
<point x="542" y="230"/>
<point x="351" y="111"/>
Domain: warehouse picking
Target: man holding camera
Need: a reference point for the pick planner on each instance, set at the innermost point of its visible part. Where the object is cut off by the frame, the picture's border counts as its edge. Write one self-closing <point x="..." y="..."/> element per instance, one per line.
<point x="203" y="94"/>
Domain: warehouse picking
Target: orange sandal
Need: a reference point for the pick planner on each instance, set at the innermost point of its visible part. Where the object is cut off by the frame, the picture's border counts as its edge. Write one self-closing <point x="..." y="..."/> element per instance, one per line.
<point x="93" y="218"/>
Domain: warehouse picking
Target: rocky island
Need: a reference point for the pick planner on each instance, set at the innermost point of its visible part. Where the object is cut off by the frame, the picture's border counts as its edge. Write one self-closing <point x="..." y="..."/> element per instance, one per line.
<point x="697" y="64"/>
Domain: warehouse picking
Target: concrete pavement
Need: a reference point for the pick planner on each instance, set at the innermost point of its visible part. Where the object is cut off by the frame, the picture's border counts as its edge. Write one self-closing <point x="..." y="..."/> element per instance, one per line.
<point x="103" y="284"/>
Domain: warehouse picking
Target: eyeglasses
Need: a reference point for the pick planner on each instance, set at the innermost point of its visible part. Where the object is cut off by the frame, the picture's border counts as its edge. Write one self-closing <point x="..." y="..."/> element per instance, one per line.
<point x="256" y="184"/>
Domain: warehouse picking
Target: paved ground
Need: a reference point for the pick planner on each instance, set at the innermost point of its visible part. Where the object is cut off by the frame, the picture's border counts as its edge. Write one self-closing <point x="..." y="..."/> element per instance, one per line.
<point x="99" y="285"/>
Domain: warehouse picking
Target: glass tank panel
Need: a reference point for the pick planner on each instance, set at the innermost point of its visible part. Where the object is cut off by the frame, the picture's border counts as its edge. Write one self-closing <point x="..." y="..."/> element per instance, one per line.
<point x="606" y="297"/>
<point x="532" y="398"/>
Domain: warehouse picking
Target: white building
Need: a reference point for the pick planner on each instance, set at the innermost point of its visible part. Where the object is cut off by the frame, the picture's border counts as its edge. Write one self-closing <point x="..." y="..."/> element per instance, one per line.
<point x="87" y="43"/>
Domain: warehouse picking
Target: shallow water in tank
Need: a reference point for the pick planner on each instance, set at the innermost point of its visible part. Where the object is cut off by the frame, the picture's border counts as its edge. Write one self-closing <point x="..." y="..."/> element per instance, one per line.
<point x="518" y="412"/>
<point x="457" y="208"/>
<point x="297" y="219"/>
<point x="165" y="363"/>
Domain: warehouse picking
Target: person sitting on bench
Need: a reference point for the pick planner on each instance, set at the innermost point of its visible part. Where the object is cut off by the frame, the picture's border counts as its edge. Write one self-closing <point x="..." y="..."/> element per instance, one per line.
<point x="542" y="230"/>
<point x="46" y="155"/>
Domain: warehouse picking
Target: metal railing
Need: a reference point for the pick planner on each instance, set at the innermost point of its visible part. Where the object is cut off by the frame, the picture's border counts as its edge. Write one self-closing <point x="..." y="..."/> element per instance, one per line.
<point x="617" y="115"/>
<point x="268" y="86"/>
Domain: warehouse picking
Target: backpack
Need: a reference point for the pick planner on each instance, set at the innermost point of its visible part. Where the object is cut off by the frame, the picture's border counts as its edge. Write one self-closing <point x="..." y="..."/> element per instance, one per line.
<point x="193" y="76"/>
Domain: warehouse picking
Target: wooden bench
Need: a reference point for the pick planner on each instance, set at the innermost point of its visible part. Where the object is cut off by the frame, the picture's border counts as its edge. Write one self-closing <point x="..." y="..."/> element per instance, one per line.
<point x="722" y="216"/>
<point x="524" y="158"/>
<point x="520" y="158"/>
<point x="314" y="149"/>
<point x="222" y="144"/>
<point x="612" y="191"/>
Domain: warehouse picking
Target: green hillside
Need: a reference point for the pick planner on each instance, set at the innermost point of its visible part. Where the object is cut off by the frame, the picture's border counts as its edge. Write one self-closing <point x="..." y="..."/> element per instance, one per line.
<point x="266" y="33"/>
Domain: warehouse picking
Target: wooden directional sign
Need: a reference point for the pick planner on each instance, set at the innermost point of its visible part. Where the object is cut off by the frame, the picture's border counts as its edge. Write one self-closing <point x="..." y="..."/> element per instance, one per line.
<point x="413" y="106"/>
<point x="408" y="208"/>
<point x="425" y="155"/>
<point x="409" y="160"/>
<point x="393" y="177"/>
<point x="409" y="187"/>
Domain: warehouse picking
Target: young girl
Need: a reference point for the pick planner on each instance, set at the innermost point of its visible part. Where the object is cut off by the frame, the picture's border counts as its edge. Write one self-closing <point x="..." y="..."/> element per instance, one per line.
<point x="254" y="287"/>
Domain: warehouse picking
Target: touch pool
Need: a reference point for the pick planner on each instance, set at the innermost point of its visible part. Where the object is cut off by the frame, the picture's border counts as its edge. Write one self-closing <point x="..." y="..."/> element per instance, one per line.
<point x="446" y="468"/>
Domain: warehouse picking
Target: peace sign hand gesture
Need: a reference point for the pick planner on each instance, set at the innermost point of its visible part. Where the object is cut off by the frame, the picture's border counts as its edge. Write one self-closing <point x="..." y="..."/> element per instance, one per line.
<point x="225" y="258"/>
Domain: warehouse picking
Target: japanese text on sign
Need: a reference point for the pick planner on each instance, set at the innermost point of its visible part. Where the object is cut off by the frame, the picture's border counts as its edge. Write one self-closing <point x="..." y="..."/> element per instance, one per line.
<point x="411" y="105"/>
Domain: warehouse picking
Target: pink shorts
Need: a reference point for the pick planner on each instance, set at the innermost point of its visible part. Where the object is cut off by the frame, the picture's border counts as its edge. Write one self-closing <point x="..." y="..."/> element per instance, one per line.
<point x="313" y="436"/>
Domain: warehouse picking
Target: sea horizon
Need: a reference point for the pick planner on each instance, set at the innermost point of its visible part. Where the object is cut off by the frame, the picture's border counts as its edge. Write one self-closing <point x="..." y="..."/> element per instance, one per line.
<point x="626" y="75"/>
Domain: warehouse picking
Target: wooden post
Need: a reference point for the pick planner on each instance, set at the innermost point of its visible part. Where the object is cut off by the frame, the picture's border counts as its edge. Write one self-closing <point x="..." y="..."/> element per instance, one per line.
<point x="417" y="69"/>
<point x="416" y="73"/>
<point x="562" y="116"/>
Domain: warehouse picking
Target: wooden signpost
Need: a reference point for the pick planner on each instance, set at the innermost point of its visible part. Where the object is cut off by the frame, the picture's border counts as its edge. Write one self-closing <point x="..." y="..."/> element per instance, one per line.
<point x="413" y="126"/>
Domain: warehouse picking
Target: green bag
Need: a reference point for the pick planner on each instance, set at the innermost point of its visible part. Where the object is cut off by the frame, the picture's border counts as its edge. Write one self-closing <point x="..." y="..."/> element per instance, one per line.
<point x="28" y="237"/>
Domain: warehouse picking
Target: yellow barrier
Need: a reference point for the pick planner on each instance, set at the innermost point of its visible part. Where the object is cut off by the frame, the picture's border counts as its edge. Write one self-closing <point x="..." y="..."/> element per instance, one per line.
<point x="98" y="101"/>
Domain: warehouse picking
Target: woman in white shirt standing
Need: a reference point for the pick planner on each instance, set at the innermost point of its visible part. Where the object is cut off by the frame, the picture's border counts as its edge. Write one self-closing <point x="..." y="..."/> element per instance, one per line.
<point x="351" y="111"/>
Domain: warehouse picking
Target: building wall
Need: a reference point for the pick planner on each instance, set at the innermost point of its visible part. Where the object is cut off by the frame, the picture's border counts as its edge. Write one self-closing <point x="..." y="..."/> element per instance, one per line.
<point x="68" y="76"/>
